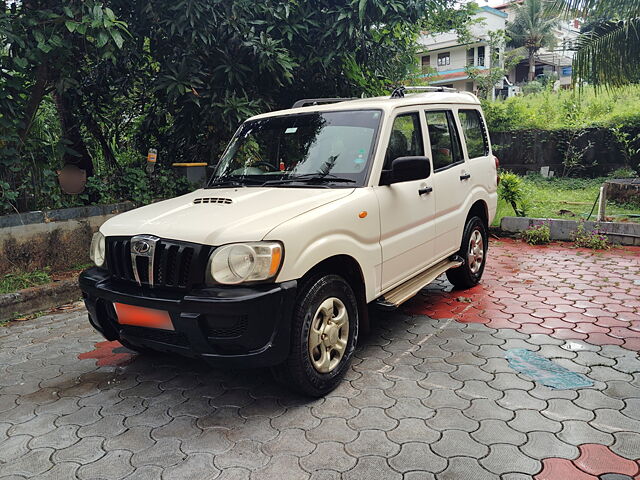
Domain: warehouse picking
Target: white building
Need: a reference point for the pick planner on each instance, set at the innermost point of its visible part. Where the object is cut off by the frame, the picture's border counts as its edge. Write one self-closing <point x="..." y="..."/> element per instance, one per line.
<point x="444" y="59"/>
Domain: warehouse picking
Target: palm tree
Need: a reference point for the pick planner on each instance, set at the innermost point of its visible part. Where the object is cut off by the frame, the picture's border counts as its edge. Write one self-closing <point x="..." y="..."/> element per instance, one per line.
<point x="533" y="28"/>
<point x="608" y="54"/>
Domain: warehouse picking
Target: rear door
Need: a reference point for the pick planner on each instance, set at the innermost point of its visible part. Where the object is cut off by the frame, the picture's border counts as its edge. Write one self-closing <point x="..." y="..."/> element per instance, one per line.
<point x="406" y="215"/>
<point x="451" y="179"/>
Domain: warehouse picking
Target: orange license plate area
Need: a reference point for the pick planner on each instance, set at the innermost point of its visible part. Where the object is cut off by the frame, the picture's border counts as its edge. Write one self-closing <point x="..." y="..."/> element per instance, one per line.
<point x="143" y="317"/>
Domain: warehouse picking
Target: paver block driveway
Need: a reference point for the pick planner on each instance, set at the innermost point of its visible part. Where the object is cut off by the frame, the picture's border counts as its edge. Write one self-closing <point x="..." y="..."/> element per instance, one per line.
<point x="430" y="393"/>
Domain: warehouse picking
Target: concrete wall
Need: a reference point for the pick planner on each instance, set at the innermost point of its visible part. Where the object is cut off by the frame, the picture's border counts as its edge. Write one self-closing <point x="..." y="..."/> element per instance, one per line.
<point x="59" y="239"/>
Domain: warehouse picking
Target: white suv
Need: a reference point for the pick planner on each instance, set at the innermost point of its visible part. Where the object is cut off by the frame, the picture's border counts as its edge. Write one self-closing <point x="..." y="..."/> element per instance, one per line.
<point x="312" y="214"/>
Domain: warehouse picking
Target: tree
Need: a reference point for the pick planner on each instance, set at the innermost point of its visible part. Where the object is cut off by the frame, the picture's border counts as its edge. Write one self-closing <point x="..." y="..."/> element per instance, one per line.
<point x="533" y="28"/>
<point x="609" y="52"/>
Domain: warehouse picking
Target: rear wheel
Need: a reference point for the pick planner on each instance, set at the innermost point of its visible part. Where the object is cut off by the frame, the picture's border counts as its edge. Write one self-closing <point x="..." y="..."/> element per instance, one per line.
<point x="474" y="252"/>
<point x="324" y="335"/>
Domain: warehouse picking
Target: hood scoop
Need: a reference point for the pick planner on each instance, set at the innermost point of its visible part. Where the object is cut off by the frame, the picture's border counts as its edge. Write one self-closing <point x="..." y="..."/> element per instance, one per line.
<point x="219" y="200"/>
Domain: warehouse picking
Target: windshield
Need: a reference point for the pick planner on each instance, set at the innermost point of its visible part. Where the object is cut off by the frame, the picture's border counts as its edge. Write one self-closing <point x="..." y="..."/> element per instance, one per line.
<point x="330" y="148"/>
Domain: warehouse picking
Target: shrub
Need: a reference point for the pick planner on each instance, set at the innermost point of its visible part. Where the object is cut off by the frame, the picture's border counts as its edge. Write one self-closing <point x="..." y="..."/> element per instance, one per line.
<point x="593" y="239"/>
<point x="511" y="191"/>
<point x="537" y="234"/>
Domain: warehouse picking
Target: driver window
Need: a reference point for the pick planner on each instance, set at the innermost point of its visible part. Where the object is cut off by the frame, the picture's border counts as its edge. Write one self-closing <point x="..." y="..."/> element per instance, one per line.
<point x="405" y="139"/>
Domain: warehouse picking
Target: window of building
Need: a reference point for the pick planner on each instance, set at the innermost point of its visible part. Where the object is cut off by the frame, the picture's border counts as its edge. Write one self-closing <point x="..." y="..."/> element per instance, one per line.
<point x="474" y="133"/>
<point x="469" y="87"/>
<point x="426" y="62"/>
<point x="444" y="59"/>
<point x="405" y="139"/>
<point x="480" y="56"/>
<point x="470" y="56"/>
<point x="445" y="141"/>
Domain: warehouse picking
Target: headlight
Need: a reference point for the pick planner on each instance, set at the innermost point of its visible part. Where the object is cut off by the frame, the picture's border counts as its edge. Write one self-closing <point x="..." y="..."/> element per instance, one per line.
<point x="244" y="262"/>
<point x="96" y="252"/>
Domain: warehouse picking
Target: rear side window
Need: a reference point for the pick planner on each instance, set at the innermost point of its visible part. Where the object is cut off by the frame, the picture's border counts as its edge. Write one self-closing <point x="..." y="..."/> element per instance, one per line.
<point x="405" y="139"/>
<point x="445" y="142"/>
<point x="474" y="133"/>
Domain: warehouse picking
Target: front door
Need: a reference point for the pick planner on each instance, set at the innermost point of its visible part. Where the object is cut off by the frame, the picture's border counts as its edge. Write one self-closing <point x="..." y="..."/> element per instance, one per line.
<point x="451" y="180"/>
<point x="406" y="209"/>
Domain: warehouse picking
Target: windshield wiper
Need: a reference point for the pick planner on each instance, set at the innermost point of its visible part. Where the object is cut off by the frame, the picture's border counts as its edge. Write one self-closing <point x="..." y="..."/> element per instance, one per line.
<point x="311" y="178"/>
<point x="232" y="182"/>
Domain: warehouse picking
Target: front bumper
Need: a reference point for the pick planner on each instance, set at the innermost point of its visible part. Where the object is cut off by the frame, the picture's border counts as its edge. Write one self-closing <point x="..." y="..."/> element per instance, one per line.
<point x="236" y="325"/>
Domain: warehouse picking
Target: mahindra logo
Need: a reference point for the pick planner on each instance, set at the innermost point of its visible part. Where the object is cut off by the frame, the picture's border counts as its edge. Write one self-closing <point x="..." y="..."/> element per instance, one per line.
<point x="141" y="247"/>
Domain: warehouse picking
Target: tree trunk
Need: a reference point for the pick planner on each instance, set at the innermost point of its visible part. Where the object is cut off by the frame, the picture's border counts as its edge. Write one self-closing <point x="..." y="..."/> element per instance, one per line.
<point x="71" y="133"/>
<point x="532" y="65"/>
<point x="33" y="104"/>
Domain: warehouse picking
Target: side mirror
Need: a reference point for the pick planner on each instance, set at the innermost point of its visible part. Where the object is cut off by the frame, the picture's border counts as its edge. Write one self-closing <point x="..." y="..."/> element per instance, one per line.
<point x="406" y="169"/>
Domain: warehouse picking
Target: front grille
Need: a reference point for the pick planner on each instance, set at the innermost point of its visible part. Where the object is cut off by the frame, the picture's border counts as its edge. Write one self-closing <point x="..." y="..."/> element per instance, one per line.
<point x="175" y="264"/>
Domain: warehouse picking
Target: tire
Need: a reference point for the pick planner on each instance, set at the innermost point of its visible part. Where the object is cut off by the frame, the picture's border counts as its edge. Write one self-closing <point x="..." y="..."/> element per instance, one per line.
<point x="316" y="366"/>
<point x="469" y="274"/>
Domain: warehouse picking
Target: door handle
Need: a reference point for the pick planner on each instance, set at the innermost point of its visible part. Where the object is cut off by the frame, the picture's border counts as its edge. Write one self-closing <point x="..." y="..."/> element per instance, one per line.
<point x="424" y="191"/>
<point x="465" y="176"/>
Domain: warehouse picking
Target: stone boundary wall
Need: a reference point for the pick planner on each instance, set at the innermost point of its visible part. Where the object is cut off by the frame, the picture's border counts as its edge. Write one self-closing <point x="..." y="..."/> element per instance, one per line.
<point x="59" y="239"/>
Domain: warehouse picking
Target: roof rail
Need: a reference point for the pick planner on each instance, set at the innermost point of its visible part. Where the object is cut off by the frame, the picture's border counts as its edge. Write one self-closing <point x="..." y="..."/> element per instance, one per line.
<point x="399" y="92"/>
<point x="319" y="101"/>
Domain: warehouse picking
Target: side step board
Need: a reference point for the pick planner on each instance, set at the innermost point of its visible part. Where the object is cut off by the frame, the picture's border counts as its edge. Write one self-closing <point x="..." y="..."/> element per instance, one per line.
<point x="394" y="298"/>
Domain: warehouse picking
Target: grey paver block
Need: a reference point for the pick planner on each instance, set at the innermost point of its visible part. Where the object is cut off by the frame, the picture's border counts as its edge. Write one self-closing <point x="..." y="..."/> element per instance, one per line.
<point x="113" y="466"/>
<point x="417" y="456"/>
<point x="179" y="427"/>
<point x="470" y="372"/>
<point x="296" y="417"/>
<point x="371" y="397"/>
<point x="329" y="455"/>
<point x="289" y="442"/>
<point x="607" y="374"/>
<point x="407" y="389"/>
<point x="448" y="418"/>
<point x="325" y="475"/>
<point x="410" y="408"/>
<point x="520" y="399"/>
<point x="147" y="472"/>
<point x="14" y="447"/>
<point x="127" y="407"/>
<point x="510" y="381"/>
<point x="280" y="467"/>
<point x="245" y="453"/>
<point x="194" y="407"/>
<point x="608" y="420"/>
<point x="543" y="392"/>
<point x="458" y="443"/>
<point x="59" y="438"/>
<point x="532" y="421"/>
<point x="590" y="399"/>
<point x="446" y="398"/>
<point x="152" y="417"/>
<point x="372" y="418"/>
<point x="234" y="474"/>
<point x="212" y="440"/>
<point x="483" y="409"/>
<point x="107" y="426"/>
<point x="198" y="466"/>
<point x="561" y="409"/>
<point x="413" y="430"/>
<point x="507" y="458"/>
<point x="371" y="442"/>
<point x="134" y="439"/>
<point x="543" y="445"/>
<point x="577" y="432"/>
<point x="627" y="444"/>
<point x="632" y="408"/>
<point x="224" y="417"/>
<point x="30" y="464"/>
<point x="83" y="416"/>
<point x="621" y="390"/>
<point x="335" y="407"/>
<point x="474" y="389"/>
<point x="462" y="468"/>
<point x="492" y="432"/>
<point x="371" y="468"/>
<point x="60" y="471"/>
<point x="163" y="453"/>
<point x="332" y="429"/>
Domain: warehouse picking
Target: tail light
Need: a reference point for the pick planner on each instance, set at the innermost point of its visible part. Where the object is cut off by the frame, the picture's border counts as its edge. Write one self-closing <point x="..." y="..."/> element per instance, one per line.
<point x="497" y="167"/>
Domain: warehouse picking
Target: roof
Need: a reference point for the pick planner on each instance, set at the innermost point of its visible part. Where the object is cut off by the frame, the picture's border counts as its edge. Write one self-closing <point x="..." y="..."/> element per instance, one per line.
<point x="494" y="11"/>
<point x="386" y="104"/>
<point x="508" y="4"/>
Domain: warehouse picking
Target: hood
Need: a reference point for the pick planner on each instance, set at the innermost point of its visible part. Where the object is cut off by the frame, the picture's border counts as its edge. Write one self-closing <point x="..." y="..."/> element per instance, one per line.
<point x="221" y="215"/>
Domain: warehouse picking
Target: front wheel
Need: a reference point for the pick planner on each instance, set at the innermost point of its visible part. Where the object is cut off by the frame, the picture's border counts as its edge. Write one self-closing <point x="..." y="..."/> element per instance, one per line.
<point x="324" y="335"/>
<point x="473" y="250"/>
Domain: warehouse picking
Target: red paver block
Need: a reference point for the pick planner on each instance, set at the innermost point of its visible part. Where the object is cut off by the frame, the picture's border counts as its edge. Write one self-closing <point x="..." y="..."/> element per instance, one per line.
<point x="105" y="355"/>
<point x="598" y="459"/>
<point x="561" y="469"/>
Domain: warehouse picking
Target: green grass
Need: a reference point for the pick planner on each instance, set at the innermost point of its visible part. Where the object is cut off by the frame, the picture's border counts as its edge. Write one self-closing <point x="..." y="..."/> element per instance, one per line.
<point x="17" y="281"/>
<point x="547" y="196"/>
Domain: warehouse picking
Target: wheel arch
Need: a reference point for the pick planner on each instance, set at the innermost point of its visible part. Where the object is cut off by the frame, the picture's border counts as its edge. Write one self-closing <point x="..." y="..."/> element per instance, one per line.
<point x="479" y="209"/>
<point x="347" y="267"/>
